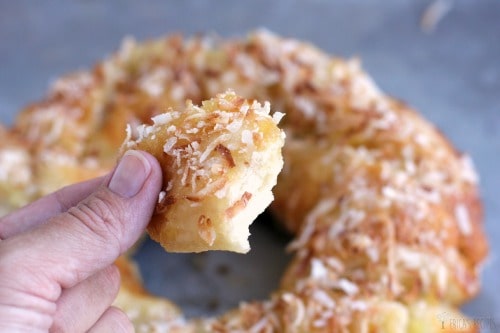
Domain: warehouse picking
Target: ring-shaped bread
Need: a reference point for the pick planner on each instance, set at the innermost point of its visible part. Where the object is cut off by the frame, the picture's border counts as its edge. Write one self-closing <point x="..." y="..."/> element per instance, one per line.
<point x="385" y="212"/>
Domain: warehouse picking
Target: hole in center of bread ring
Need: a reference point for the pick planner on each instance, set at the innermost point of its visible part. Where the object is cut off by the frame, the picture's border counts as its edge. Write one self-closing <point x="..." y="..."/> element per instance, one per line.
<point x="210" y="283"/>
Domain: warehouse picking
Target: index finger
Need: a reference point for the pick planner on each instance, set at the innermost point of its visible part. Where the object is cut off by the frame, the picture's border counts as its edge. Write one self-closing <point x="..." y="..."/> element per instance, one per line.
<point x="47" y="207"/>
<point x="87" y="238"/>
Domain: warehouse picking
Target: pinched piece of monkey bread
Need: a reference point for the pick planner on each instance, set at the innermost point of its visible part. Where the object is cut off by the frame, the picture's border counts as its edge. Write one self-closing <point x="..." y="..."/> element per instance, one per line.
<point x="220" y="162"/>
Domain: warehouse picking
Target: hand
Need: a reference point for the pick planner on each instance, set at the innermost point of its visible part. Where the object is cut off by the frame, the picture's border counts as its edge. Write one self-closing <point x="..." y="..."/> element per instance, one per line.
<point x="57" y="254"/>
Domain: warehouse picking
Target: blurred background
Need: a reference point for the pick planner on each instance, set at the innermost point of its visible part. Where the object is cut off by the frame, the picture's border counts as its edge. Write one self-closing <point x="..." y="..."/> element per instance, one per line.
<point x="442" y="57"/>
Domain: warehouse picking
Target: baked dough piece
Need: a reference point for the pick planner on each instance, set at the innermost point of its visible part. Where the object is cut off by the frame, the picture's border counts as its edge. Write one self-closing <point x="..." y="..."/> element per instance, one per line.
<point x="143" y="309"/>
<point x="220" y="162"/>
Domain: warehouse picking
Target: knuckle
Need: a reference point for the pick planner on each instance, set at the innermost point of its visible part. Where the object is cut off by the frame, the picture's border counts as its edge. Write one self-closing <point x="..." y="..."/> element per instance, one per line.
<point x="102" y="215"/>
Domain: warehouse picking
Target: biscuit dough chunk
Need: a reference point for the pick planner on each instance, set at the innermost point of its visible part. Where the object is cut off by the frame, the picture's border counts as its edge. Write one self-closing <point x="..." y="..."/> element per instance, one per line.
<point x="220" y="162"/>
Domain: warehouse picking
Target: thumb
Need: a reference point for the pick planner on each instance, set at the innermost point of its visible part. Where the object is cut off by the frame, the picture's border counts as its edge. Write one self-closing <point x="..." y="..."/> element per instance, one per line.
<point x="90" y="236"/>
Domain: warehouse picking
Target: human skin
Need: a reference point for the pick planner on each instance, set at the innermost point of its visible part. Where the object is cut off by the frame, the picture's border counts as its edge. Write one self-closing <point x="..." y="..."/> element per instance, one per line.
<point x="57" y="254"/>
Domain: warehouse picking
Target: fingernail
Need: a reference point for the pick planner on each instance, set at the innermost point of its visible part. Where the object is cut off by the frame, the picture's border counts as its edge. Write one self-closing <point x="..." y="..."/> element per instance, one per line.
<point x="130" y="174"/>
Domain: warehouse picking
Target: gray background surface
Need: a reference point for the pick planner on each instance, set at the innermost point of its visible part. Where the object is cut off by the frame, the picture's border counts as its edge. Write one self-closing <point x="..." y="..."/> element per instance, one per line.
<point x="452" y="75"/>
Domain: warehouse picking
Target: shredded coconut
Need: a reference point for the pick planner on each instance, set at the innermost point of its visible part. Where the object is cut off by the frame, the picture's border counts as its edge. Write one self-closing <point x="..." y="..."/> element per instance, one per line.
<point x="463" y="219"/>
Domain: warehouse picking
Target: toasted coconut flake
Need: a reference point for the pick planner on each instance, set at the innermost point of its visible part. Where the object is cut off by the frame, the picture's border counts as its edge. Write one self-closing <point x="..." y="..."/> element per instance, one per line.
<point x="226" y="153"/>
<point x="239" y="205"/>
<point x="206" y="230"/>
<point x="167" y="147"/>
<point x="247" y="137"/>
<point x="463" y="219"/>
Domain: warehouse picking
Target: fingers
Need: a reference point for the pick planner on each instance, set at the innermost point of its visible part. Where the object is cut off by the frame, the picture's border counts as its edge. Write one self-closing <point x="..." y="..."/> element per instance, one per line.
<point x="113" y="320"/>
<point x="49" y="206"/>
<point x="79" y="307"/>
<point x="89" y="237"/>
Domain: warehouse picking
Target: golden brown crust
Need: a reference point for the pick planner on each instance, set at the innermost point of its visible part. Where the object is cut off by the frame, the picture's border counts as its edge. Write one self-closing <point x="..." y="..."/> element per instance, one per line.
<point x="386" y="213"/>
<point x="220" y="162"/>
<point x="16" y="175"/>
<point x="143" y="309"/>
